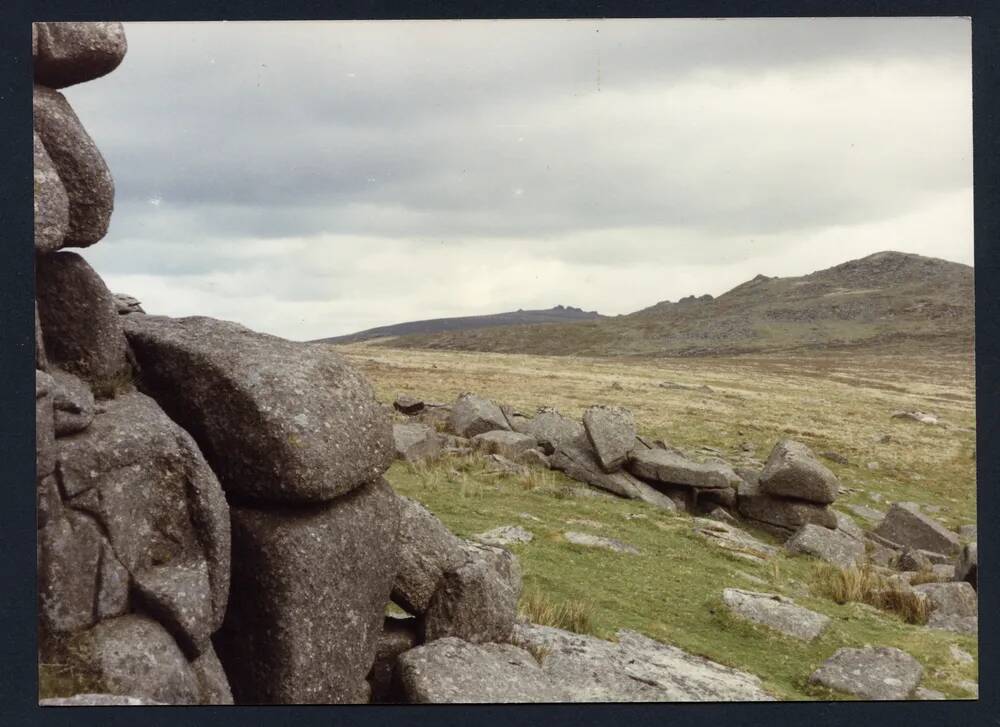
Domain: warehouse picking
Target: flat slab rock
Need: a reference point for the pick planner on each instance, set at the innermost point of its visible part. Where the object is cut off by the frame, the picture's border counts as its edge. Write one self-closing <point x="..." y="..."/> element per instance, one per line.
<point x="734" y="539"/>
<point x="505" y="535"/>
<point x="635" y="669"/>
<point x="277" y="420"/>
<point x="776" y="612"/>
<point x="876" y="673"/>
<point x="611" y="431"/>
<point x="598" y="541"/>
<point x="670" y="468"/>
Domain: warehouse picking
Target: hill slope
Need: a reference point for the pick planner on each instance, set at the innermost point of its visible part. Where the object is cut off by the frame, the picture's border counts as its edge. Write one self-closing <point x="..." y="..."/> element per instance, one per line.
<point x="558" y="314"/>
<point x="886" y="299"/>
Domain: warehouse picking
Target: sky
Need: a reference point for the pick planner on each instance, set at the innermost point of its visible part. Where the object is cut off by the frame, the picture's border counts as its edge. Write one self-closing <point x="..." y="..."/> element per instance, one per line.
<point x="311" y="179"/>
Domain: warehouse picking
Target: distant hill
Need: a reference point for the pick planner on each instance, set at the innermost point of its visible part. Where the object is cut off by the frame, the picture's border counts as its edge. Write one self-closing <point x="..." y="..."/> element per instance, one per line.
<point x="888" y="299"/>
<point x="558" y="314"/>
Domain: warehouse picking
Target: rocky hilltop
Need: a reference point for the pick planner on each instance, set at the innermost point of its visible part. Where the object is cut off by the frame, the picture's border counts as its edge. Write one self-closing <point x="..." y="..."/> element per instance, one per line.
<point x="889" y="299"/>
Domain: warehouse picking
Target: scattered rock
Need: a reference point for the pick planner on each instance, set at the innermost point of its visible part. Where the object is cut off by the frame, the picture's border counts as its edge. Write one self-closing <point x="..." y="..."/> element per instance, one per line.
<point x="70" y="53"/>
<point x="635" y="669"/>
<point x="955" y="598"/>
<point x="80" y="328"/>
<point x="775" y="612"/>
<point x="663" y="466"/>
<point x="90" y="190"/>
<point x="832" y="546"/>
<point x="597" y="541"/>
<point x="277" y="420"/>
<point x="415" y="442"/>
<point x="880" y="673"/>
<point x="913" y="560"/>
<point x="451" y="670"/>
<point x="792" y="471"/>
<point x="309" y="588"/>
<point x="611" y="431"/>
<point x="511" y="445"/>
<point x="505" y="535"/>
<point x="916" y="416"/>
<point x="908" y="527"/>
<point x="472" y="415"/>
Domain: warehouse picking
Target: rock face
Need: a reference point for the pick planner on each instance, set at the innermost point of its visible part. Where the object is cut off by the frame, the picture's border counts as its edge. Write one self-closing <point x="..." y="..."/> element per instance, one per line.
<point x="667" y="467"/>
<point x="472" y="415"/>
<point x="415" y="442"/>
<point x="80" y="328"/>
<point x="132" y="655"/>
<point x="636" y="669"/>
<point x="611" y="431"/>
<point x="84" y="175"/>
<point x="278" y="421"/>
<point x="793" y="471"/>
<point x="833" y="546"/>
<point x="450" y="671"/>
<point x="309" y="588"/>
<point x="70" y="53"/>
<point x="910" y="528"/>
<point x="776" y="612"/>
<point x="51" y="202"/>
<point x="476" y="601"/>
<point x="426" y="550"/>
<point x="880" y="673"/>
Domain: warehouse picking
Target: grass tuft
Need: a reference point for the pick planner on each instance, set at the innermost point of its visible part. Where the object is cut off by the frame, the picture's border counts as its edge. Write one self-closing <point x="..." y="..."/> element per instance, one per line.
<point x="569" y="615"/>
<point x="864" y="585"/>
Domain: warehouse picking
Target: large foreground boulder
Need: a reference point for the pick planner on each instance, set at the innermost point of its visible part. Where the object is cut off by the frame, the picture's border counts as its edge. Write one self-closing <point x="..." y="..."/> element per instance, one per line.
<point x="611" y="431"/>
<point x="144" y="480"/>
<point x="277" y="420"/>
<point x="881" y="673"/>
<point x="453" y="671"/>
<point x="51" y="202"/>
<point x="89" y="187"/>
<point x="635" y="669"/>
<point x="69" y="53"/>
<point x="309" y="590"/>
<point x="776" y="612"/>
<point x="908" y="527"/>
<point x="81" y="331"/>
<point x="472" y="415"/>
<point x="793" y="471"/>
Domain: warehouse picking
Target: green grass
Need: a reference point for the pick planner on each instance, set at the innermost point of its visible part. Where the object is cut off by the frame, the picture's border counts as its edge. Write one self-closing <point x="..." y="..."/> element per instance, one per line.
<point x="672" y="591"/>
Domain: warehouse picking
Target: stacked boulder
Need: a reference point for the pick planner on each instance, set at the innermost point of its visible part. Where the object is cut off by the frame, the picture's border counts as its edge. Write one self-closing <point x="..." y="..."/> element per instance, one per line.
<point x="133" y="528"/>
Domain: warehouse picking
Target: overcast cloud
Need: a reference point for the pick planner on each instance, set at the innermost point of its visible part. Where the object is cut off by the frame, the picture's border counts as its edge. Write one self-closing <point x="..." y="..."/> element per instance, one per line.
<point x="312" y="179"/>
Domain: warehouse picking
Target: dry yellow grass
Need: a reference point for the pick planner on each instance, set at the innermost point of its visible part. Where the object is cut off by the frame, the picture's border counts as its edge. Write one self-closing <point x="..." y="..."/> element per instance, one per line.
<point x="865" y="585"/>
<point x="572" y="615"/>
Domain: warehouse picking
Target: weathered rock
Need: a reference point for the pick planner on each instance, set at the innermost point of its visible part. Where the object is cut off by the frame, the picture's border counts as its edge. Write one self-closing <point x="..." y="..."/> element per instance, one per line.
<point x="69" y="552"/>
<point x="511" y="445"/>
<point x="956" y="598"/>
<point x="916" y="416"/>
<point x="277" y="420"/>
<point x="708" y="500"/>
<point x="846" y="525"/>
<point x="793" y="471"/>
<point x="499" y="463"/>
<point x="472" y="415"/>
<point x="581" y="465"/>
<point x="478" y="600"/>
<point x="426" y="550"/>
<point x="415" y="442"/>
<point x="45" y="431"/>
<point x="126" y="304"/>
<point x="48" y="503"/>
<point x="398" y="635"/>
<point x="145" y="481"/>
<point x="80" y="327"/>
<point x="450" y="670"/>
<point x="133" y="655"/>
<point x="776" y="612"/>
<point x="51" y="202"/>
<point x="967" y="565"/>
<point x="213" y="686"/>
<point x="70" y="53"/>
<point x="114" y="585"/>
<point x="41" y="360"/>
<point x="835" y="457"/>
<point x="611" y="431"/>
<point x="755" y="504"/>
<point x="553" y="431"/>
<point x="880" y="673"/>
<point x="407" y="404"/>
<point x="635" y="669"/>
<point x="832" y="546"/>
<point x="73" y="403"/>
<point x="955" y="624"/>
<point x="868" y="513"/>
<point x="913" y="560"/>
<point x="597" y="541"/>
<point x="505" y="535"/>
<point x="731" y="538"/>
<point x="179" y="596"/>
<point x="911" y="528"/>
<point x="97" y="700"/>
<point x="89" y="187"/>
<point x="968" y="532"/>
<point x="309" y="589"/>
<point x="959" y="655"/>
<point x="436" y="416"/>
<point x="660" y="465"/>
<point x="534" y="458"/>
<point x="722" y="515"/>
